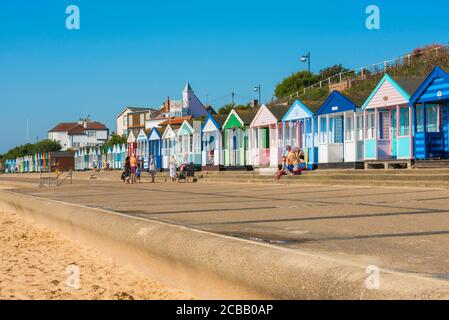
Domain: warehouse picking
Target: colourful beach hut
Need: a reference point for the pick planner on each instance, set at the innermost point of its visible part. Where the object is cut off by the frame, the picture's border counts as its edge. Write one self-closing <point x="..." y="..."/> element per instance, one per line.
<point x="235" y="135"/>
<point x="299" y="129"/>
<point x="123" y="156"/>
<point x="267" y="145"/>
<point x="169" y="142"/>
<point x="430" y="107"/>
<point x="189" y="143"/>
<point x="340" y="138"/>
<point x="212" y="148"/>
<point x="132" y="143"/>
<point x="155" y="145"/>
<point x="387" y="134"/>
<point x="142" y="151"/>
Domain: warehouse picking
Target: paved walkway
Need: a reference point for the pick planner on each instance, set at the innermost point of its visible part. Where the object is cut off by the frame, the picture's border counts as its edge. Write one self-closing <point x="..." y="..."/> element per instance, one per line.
<point x="397" y="228"/>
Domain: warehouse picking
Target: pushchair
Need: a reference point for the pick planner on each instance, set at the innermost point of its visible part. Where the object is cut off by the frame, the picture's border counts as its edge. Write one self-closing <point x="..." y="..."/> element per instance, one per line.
<point x="187" y="173"/>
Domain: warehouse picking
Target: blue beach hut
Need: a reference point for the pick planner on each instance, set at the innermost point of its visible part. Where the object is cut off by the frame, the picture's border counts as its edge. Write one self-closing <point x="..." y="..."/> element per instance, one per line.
<point x="299" y="129"/>
<point x="430" y="108"/>
<point x="340" y="138"/>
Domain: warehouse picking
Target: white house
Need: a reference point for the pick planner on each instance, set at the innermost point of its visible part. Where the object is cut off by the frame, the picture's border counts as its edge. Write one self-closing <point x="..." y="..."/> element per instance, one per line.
<point x="123" y="119"/>
<point x="75" y="135"/>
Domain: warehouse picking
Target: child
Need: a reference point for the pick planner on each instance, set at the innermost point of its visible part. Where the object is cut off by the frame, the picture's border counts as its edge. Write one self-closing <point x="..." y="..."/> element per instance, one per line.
<point x="138" y="171"/>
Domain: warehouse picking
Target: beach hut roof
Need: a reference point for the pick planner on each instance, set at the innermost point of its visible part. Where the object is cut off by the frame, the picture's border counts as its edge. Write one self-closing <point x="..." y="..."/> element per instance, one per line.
<point x="298" y="110"/>
<point x="400" y="89"/>
<point x="336" y="102"/>
<point x="434" y="88"/>
<point x="213" y="121"/>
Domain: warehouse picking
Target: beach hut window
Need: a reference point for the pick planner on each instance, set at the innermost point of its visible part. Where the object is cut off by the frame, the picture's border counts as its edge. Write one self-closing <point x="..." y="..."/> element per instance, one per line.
<point x="371" y="119"/>
<point x="404" y="122"/>
<point x="419" y="119"/>
<point x="323" y="131"/>
<point x="349" y="133"/>
<point x="432" y="118"/>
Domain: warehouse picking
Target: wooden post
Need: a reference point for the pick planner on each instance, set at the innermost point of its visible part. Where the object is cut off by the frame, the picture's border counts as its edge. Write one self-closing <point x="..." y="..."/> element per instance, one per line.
<point x="376" y="133"/>
<point x="398" y="129"/>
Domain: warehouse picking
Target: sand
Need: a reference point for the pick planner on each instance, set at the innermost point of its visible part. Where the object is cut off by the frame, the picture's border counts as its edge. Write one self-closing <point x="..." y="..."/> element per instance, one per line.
<point x="34" y="262"/>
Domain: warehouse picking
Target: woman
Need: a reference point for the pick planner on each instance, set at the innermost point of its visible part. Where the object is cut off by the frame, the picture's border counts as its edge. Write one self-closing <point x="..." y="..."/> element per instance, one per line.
<point x="152" y="168"/>
<point x="172" y="168"/>
<point x="126" y="171"/>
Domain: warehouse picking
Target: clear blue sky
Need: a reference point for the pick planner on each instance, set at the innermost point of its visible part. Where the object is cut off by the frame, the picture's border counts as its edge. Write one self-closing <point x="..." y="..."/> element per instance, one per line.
<point x="139" y="52"/>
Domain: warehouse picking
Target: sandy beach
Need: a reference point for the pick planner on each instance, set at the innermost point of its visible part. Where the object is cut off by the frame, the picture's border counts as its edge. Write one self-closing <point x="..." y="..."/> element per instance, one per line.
<point x="34" y="262"/>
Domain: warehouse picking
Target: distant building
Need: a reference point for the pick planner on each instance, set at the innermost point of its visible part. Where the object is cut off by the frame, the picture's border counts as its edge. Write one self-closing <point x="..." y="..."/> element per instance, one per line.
<point x="123" y="118"/>
<point x="189" y="106"/>
<point x="75" y="135"/>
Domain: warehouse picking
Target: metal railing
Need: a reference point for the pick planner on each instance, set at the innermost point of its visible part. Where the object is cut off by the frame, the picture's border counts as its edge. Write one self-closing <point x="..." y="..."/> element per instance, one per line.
<point x="360" y="73"/>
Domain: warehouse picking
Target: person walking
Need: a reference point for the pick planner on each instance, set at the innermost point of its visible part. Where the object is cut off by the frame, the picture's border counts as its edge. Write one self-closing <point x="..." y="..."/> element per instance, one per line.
<point x="152" y="167"/>
<point x="126" y="171"/>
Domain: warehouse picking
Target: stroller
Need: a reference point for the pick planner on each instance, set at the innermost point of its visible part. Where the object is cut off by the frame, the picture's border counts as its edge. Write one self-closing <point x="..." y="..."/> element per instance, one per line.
<point x="187" y="173"/>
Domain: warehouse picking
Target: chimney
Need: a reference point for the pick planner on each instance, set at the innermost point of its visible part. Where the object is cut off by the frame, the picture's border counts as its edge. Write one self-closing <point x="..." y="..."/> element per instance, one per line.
<point x="167" y="105"/>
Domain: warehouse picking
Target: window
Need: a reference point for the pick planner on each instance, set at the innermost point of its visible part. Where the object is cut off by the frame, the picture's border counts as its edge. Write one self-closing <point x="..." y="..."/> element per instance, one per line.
<point x="142" y="118"/>
<point x="432" y="118"/>
<point x="371" y="119"/>
<point x="404" y="122"/>
<point x="130" y="120"/>
<point x="349" y="127"/>
<point x="323" y="130"/>
<point x="419" y="119"/>
<point x="125" y="121"/>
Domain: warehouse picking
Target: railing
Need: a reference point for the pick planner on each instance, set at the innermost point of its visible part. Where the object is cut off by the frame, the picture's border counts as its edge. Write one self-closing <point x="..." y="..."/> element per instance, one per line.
<point x="360" y="73"/>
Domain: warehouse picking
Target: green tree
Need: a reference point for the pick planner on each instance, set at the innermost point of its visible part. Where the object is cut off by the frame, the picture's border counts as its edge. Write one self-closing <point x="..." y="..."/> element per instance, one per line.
<point x="113" y="140"/>
<point x="31" y="149"/>
<point x="295" y="83"/>
<point x="331" y="71"/>
<point x="226" y="109"/>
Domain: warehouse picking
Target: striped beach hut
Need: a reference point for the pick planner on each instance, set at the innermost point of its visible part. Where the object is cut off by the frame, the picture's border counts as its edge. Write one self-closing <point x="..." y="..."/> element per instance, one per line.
<point x="430" y="108"/>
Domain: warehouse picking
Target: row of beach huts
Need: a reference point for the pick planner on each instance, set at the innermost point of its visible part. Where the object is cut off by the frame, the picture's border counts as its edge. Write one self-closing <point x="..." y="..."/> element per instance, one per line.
<point x="404" y="119"/>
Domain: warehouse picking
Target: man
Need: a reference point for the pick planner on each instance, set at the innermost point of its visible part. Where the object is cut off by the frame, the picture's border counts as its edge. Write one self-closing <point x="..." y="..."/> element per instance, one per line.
<point x="290" y="158"/>
<point x="133" y="163"/>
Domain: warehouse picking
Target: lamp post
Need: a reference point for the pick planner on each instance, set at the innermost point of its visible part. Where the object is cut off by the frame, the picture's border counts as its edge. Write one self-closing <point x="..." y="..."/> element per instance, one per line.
<point x="306" y="58"/>
<point x="257" y="89"/>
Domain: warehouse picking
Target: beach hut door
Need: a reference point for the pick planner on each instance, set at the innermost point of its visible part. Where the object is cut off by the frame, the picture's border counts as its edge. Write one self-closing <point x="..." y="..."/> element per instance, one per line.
<point x="445" y="128"/>
<point x="394" y="135"/>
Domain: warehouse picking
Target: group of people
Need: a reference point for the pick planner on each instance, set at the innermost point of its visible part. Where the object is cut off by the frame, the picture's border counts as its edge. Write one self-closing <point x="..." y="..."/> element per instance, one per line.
<point x="293" y="163"/>
<point x="132" y="169"/>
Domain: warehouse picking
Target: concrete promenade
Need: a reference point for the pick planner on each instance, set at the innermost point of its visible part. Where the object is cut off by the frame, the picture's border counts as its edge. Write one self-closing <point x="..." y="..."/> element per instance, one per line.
<point x="405" y="230"/>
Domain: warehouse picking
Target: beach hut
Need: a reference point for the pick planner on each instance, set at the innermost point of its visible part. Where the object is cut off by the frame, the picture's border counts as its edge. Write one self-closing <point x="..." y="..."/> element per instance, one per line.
<point x="340" y="138"/>
<point x="132" y="143"/>
<point x="189" y="143"/>
<point x="142" y="151"/>
<point x="430" y="107"/>
<point x="235" y="135"/>
<point x="387" y="134"/>
<point x="212" y="147"/>
<point x="123" y="156"/>
<point x="155" y="145"/>
<point x="299" y="129"/>
<point x="109" y="157"/>
<point x="266" y="136"/>
<point x="169" y="141"/>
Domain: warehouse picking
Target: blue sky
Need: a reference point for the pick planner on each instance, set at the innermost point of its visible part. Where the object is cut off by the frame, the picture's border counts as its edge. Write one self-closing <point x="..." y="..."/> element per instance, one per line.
<point x="139" y="52"/>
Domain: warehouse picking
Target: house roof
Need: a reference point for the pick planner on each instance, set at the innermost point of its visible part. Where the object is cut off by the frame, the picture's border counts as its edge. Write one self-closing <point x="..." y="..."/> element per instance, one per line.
<point x="279" y="110"/>
<point x="248" y="115"/>
<point x="409" y="84"/>
<point x="75" y="128"/>
<point x="175" y="121"/>
<point x="427" y="91"/>
<point x="134" y="109"/>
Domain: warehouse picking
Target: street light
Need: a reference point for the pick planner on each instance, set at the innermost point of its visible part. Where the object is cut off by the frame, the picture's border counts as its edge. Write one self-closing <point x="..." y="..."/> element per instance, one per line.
<point x="306" y="58"/>
<point x="257" y="89"/>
